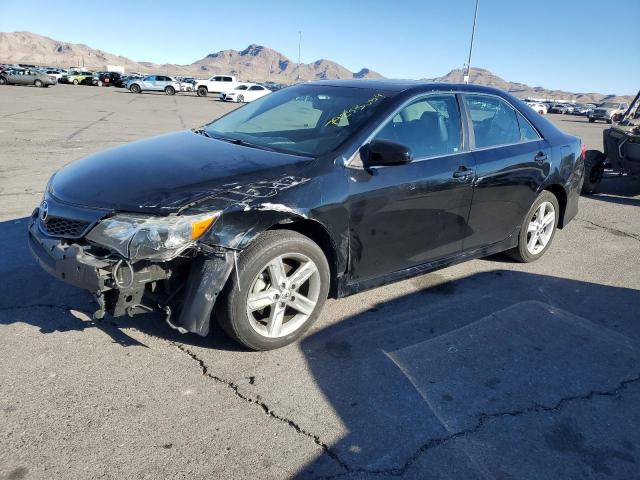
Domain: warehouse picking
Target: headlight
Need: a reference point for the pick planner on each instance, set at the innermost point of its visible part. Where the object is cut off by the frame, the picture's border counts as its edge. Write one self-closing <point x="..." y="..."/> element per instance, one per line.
<point x="143" y="237"/>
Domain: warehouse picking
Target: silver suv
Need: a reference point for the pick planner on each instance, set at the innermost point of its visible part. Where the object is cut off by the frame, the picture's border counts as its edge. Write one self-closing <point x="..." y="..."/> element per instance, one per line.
<point x="607" y="110"/>
<point x="154" y="83"/>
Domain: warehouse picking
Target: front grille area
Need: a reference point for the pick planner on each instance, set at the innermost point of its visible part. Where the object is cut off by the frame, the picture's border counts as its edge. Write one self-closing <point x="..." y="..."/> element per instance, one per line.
<point x="64" y="227"/>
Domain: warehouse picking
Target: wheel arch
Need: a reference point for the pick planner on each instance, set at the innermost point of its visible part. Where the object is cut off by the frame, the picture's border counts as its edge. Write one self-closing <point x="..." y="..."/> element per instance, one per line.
<point x="318" y="234"/>
<point x="561" y="195"/>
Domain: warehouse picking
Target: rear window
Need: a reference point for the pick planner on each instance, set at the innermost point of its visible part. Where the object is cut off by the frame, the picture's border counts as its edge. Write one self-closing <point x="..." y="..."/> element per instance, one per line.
<point x="494" y="121"/>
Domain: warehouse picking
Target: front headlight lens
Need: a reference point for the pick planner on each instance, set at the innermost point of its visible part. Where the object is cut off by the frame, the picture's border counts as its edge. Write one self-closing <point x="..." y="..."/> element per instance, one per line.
<point x="143" y="237"/>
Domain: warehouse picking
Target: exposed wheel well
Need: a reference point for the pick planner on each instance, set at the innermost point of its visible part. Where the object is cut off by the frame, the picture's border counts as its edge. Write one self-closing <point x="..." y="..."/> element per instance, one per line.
<point x="561" y="195"/>
<point x="318" y="234"/>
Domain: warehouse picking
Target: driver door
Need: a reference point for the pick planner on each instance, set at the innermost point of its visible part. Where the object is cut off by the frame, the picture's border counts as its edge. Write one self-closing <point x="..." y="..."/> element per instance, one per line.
<point x="406" y="215"/>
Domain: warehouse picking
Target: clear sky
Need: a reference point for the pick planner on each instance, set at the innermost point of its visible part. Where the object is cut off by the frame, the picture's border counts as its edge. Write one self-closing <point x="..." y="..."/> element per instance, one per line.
<point x="577" y="45"/>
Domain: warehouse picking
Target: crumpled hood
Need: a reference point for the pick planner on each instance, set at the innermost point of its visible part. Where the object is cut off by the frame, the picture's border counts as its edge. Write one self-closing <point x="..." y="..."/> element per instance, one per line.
<point x="166" y="173"/>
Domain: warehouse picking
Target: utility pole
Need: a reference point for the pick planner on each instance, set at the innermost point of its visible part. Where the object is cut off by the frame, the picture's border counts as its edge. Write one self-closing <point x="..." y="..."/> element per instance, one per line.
<point x="473" y="32"/>
<point x="299" y="45"/>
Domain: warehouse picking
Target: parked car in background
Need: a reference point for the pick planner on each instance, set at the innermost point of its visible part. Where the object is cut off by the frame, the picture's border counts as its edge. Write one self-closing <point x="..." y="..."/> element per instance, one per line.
<point x="107" y="79"/>
<point x="583" y="110"/>
<point x="216" y="85"/>
<point x="75" y="77"/>
<point x="26" y="77"/>
<point x="154" y="83"/>
<point x="606" y="111"/>
<point x="541" y="108"/>
<point x="244" y="93"/>
<point x="558" y="108"/>
<point x="323" y="188"/>
<point x="57" y="74"/>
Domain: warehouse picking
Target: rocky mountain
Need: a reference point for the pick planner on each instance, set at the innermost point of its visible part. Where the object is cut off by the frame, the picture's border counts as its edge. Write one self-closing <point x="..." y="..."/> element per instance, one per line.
<point x="481" y="76"/>
<point x="255" y="62"/>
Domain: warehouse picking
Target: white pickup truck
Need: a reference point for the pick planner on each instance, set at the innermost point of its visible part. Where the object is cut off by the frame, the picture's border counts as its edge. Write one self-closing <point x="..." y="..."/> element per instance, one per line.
<point x="217" y="84"/>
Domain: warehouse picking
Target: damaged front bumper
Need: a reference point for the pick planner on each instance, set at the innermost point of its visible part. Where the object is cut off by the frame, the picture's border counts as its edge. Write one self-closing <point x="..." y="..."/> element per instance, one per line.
<point x="184" y="289"/>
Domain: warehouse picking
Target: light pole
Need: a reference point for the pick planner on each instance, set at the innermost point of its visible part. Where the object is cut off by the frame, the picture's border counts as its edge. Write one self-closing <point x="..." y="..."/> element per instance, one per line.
<point x="299" y="45"/>
<point x="473" y="32"/>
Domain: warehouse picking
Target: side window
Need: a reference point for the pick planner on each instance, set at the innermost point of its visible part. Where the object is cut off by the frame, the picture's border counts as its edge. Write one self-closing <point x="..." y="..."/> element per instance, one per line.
<point x="255" y="87"/>
<point x="217" y="79"/>
<point x="527" y="132"/>
<point x="227" y="79"/>
<point x="150" y="78"/>
<point x="494" y="121"/>
<point x="429" y="127"/>
<point x="242" y="87"/>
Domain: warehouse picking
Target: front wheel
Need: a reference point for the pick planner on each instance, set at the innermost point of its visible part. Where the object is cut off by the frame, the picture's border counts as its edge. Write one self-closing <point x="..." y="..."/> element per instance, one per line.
<point x="38" y="83"/>
<point x="538" y="229"/>
<point x="3" y="81"/>
<point x="135" y="88"/>
<point x="170" y="91"/>
<point x="240" y="99"/>
<point x="76" y="82"/>
<point x="277" y="293"/>
<point x="202" y="91"/>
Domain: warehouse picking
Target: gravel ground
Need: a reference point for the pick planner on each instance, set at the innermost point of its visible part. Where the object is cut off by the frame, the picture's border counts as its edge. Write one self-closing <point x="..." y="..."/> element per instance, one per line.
<point x="489" y="369"/>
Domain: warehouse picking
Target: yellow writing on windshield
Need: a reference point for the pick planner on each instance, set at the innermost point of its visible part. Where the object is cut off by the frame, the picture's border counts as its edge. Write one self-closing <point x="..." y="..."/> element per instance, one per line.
<point x="339" y="120"/>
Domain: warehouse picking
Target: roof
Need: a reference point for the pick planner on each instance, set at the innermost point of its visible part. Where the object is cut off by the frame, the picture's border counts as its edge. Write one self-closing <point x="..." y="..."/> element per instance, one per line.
<point x="406" y="85"/>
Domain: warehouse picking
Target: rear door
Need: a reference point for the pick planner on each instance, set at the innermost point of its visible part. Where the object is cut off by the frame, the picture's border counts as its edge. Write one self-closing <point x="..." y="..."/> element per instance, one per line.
<point x="512" y="160"/>
<point x="407" y="215"/>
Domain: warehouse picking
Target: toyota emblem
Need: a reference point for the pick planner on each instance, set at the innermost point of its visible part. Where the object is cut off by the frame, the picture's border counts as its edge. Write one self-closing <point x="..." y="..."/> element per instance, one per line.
<point x="44" y="211"/>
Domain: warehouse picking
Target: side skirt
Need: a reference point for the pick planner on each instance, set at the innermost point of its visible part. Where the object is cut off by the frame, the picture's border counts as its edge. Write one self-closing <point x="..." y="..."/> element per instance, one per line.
<point x="346" y="288"/>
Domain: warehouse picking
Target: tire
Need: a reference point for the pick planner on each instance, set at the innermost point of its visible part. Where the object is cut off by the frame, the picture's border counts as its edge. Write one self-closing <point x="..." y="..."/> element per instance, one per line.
<point x="3" y="81"/>
<point x="135" y="88"/>
<point x="524" y="252"/>
<point x="75" y="81"/>
<point x="252" y="328"/>
<point x="240" y="98"/>
<point x="591" y="120"/>
<point x="609" y="121"/>
<point x="170" y="90"/>
<point x="202" y="91"/>
<point x="38" y="83"/>
<point x="593" y="171"/>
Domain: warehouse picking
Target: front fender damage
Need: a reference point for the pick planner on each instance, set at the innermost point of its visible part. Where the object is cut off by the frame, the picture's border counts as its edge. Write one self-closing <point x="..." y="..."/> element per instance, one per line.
<point x="207" y="277"/>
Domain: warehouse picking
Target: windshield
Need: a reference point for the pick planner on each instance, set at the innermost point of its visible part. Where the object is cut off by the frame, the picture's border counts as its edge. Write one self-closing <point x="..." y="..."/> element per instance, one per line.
<point x="309" y="120"/>
<point x="610" y="105"/>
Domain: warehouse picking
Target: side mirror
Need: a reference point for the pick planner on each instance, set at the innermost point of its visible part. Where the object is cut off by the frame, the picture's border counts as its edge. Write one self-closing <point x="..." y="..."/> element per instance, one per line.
<point x="384" y="153"/>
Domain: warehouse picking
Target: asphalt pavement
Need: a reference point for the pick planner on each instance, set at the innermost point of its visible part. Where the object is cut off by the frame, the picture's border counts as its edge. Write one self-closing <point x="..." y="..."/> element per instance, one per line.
<point x="490" y="369"/>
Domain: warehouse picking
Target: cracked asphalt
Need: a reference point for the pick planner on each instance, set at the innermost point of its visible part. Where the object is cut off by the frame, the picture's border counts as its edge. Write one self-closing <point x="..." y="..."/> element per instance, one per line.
<point x="487" y="370"/>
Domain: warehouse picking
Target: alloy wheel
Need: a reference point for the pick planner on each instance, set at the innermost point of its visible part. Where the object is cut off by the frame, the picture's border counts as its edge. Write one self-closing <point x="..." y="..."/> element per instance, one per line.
<point x="283" y="295"/>
<point x="541" y="228"/>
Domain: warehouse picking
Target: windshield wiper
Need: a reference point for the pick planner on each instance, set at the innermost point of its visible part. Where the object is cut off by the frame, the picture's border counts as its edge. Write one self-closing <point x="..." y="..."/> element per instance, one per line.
<point x="201" y="131"/>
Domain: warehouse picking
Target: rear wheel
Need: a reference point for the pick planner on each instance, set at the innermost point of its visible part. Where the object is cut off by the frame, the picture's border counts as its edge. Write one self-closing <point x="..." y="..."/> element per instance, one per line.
<point x="538" y="229"/>
<point x="593" y="171"/>
<point x="76" y="82"/>
<point x="38" y="83"/>
<point x="277" y="292"/>
<point x="170" y="90"/>
<point x="202" y="91"/>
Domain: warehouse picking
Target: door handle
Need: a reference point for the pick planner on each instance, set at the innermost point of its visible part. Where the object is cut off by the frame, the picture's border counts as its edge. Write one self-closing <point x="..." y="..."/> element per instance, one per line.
<point x="541" y="157"/>
<point x="462" y="173"/>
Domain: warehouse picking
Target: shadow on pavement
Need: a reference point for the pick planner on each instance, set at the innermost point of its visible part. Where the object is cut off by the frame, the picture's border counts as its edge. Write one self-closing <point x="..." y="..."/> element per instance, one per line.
<point x="501" y="374"/>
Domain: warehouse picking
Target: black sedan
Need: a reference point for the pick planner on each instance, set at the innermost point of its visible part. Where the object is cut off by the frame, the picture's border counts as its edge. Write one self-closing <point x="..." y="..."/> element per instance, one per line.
<point x="321" y="189"/>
